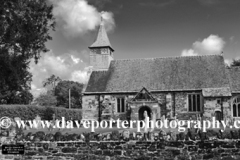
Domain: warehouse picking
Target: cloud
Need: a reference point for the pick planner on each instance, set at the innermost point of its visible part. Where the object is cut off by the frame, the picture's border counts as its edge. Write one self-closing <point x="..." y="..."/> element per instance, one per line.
<point x="228" y="62"/>
<point x="79" y="75"/>
<point x="213" y="44"/>
<point x="210" y="45"/>
<point x="69" y="66"/>
<point x="75" y="59"/>
<point x="77" y="17"/>
<point x="109" y="21"/>
<point x="189" y="52"/>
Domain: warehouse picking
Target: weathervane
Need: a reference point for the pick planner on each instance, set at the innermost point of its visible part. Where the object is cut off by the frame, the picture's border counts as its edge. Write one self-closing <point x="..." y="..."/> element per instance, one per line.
<point x="102" y="16"/>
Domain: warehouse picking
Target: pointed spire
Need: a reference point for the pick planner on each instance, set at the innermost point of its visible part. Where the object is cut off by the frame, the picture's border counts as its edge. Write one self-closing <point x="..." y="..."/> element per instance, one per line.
<point x="102" y="38"/>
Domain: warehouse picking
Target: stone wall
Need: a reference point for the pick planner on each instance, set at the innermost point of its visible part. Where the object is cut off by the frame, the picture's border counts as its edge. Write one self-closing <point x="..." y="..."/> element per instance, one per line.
<point x="161" y="97"/>
<point x="161" y="150"/>
<point x="211" y="105"/>
<point x="166" y="106"/>
<point x="100" y="58"/>
<point x="109" y="106"/>
<point x="109" y="103"/>
<point x="90" y="107"/>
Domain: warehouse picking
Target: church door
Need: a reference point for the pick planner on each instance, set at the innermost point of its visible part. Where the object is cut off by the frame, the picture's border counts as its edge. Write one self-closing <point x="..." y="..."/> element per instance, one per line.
<point x="141" y="113"/>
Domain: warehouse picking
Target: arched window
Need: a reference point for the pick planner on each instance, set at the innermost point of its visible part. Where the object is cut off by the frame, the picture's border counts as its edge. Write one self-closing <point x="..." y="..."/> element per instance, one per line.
<point x="236" y="107"/>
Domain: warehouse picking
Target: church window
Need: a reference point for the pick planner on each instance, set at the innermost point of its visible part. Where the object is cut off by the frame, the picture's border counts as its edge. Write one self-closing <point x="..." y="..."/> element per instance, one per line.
<point x="194" y="102"/>
<point x="120" y="105"/>
<point x="219" y="101"/>
<point x="236" y="107"/>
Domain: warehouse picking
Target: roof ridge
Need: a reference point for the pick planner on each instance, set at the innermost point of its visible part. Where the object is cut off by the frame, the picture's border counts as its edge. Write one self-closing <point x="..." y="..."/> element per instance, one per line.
<point x="101" y="71"/>
<point x="168" y="57"/>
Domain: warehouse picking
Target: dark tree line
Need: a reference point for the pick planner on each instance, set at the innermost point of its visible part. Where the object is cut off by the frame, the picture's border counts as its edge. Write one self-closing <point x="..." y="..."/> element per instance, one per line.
<point x="58" y="93"/>
<point x="62" y="94"/>
<point x="235" y="62"/>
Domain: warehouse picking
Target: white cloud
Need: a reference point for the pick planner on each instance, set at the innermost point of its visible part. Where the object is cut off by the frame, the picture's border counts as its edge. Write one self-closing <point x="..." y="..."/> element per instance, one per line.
<point x="75" y="60"/>
<point x="64" y="66"/>
<point x="77" y="17"/>
<point x="188" y="52"/>
<point x="79" y="76"/>
<point x="228" y="61"/>
<point x="109" y="20"/>
<point x="210" y="45"/>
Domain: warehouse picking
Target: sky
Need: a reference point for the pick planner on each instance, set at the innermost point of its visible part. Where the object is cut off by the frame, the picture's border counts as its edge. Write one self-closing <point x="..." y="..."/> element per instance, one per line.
<point x="137" y="29"/>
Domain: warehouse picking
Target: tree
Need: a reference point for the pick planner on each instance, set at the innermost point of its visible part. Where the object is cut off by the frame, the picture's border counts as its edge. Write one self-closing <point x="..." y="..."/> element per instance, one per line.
<point x="46" y="99"/>
<point x="25" y="27"/>
<point x="62" y="93"/>
<point x="235" y="62"/>
<point x="52" y="81"/>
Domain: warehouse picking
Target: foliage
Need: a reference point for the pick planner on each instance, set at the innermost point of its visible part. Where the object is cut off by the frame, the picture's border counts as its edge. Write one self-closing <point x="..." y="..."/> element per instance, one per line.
<point x="14" y="81"/>
<point x="24" y="29"/>
<point x="46" y="99"/>
<point x="52" y="81"/>
<point x="235" y="62"/>
<point x="29" y="112"/>
<point x="62" y="93"/>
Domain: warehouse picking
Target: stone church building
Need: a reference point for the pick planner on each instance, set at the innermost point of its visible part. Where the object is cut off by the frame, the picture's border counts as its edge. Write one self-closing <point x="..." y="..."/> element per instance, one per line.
<point x="173" y="87"/>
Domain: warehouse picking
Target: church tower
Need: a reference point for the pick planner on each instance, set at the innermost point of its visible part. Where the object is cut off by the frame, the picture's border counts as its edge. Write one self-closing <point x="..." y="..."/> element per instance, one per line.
<point x="101" y="51"/>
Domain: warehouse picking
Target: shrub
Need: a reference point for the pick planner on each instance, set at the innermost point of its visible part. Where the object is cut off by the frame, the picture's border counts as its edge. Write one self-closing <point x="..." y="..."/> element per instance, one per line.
<point x="212" y="133"/>
<point x="29" y="112"/>
<point x="115" y="135"/>
<point x="227" y="135"/>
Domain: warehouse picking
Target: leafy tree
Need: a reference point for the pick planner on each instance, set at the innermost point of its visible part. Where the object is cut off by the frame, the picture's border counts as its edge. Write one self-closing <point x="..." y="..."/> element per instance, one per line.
<point x="52" y="81"/>
<point x="235" y="62"/>
<point x="46" y="99"/>
<point x="25" y="27"/>
<point x="62" y="93"/>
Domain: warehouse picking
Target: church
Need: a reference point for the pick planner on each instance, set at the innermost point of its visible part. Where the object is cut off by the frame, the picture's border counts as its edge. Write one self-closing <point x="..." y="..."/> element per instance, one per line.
<point x="172" y="87"/>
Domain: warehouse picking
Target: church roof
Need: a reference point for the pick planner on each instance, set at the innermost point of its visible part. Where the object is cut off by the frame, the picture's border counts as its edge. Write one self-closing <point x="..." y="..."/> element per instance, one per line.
<point x="161" y="74"/>
<point x="234" y="78"/>
<point x="102" y="38"/>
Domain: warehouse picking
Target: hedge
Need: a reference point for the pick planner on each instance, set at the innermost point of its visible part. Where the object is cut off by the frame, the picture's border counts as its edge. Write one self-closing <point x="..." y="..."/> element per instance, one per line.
<point x="29" y="112"/>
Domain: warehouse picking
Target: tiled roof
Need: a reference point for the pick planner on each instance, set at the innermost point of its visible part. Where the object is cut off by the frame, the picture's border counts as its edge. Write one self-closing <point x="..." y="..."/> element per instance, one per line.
<point x="161" y="74"/>
<point x="102" y="38"/>
<point x="234" y="77"/>
<point x="97" y="81"/>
